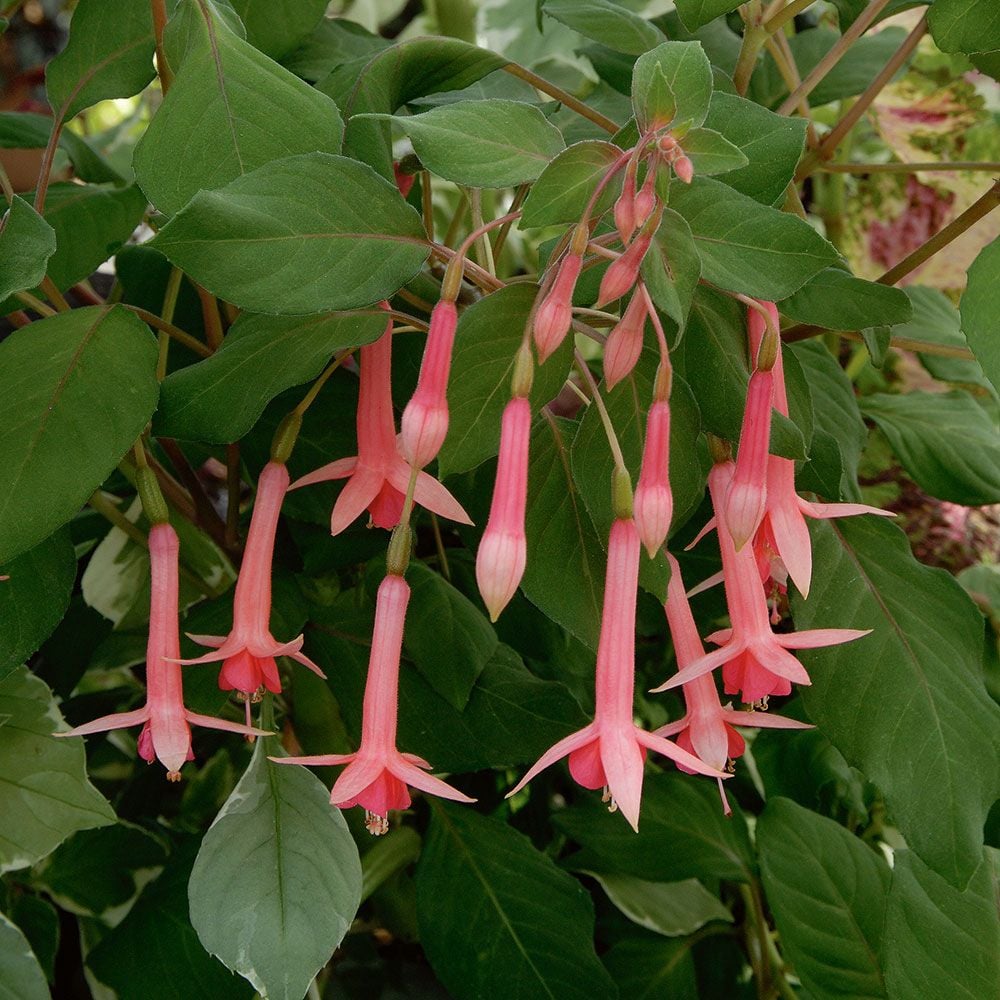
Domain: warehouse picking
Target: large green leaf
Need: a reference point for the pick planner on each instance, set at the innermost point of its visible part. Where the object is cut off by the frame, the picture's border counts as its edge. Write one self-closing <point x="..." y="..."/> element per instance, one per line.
<point x="651" y="969"/>
<point x="566" y="185"/>
<point x="278" y="820"/>
<point x="672" y="84"/>
<point x="277" y="26"/>
<point x="483" y="144"/>
<point x="34" y="599"/>
<point x="219" y="399"/>
<point x="905" y="704"/>
<point x="965" y="25"/>
<point x="607" y="22"/>
<point x="45" y="795"/>
<point x="696" y="13"/>
<point x="27" y="242"/>
<point x="26" y="130"/>
<point x="747" y="247"/>
<point x="75" y="391"/>
<point x="254" y="110"/>
<point x="979" y="320"/>
<point x="109" y="54"/>
<point x="487" y="339"/>
<point x="275" y="241"/>
<point x="498" y="919"/>
<point x="945" y="441"/>
<point x="836" y="300"/>
<point x="672" y="267"/>
<point x="21" y="977"/>
<point x="943" y="943"/>
<point x="683" y="833"/>
<point x="811" y="866"/>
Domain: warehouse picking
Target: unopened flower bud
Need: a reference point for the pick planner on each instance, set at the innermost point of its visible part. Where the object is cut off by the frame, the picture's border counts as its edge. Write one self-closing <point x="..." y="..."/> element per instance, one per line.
<point x="624" y="343"/>
<point x="645" y="200"/>
<point x="684" y="169"/>
<point x="620" y="277"/>
<point x="654" y="500"/>
<point x="555" y="314"/>
<point x="746" y="498"/>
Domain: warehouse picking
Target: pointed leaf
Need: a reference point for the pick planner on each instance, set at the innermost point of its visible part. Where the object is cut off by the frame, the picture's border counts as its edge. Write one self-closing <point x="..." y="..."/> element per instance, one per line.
<point x="979" y="320"/>
<point x="649" y="969"/>
<point x="965" y="25"/>
<point x="564" y="187"/>
<point x="278" y="26"/>
<point x="711" y="153"/>
<point x="607" y="22"/>
<point x="26" y="244"/>
<point x="21" y="977"/>
<point x="672" y="267"/>
<point x="837" y="300"/>
<point x="685" y="70"/>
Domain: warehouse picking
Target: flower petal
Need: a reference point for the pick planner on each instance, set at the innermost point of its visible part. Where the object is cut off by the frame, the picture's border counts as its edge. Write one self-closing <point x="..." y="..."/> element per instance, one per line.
<point x="416" y="778"/>
<point x="317" y="760"/>
<point x="566" y="745"/>
<point x="211" y="722"/>
<point x="433" y="496"/>
<point x="357" y="494"/>
<point x="121" y="720"/>
<point x="703" y="665"/>
<point x="622" y="757"/>
<point x="340" y="469"/>
<point x="815" y="638"/>
<point x="762" y="720"/>
<point x="677" y="754"/>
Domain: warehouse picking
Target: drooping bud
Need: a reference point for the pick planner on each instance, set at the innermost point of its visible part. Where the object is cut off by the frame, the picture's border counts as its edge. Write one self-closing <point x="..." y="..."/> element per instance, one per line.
<point x="425" y="419"/>
<point x="746" y="498"/>
<point x="404" y="180"/>
<point x="684" y="169"/>
<point x="624" y="343"/>
<point x="624" y="271"/>
<point x="654" y="499"/>
<point x="555" y="314"/>
<point x="645" y="200"/>
<point x="624" y="210"/>
<point x="503" y="549"/>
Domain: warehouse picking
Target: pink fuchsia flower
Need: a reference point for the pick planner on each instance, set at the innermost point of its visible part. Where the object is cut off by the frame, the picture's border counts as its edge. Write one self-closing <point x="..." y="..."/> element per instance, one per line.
<point x="654" y="499"/>
<point x="609" y="752"/>
<point x="378" y="777"/>
<point x="503" y="549"/>
<point x="248" y="652"/>
<point x="706" y="729"/>
<point x="756" y="660"/>
<point x="378" y="475"/>
<point x="166" y="733"/>
<point x="784" y="522"/>
<point x="425" y="419"/>
<point x="624" y="343"/>
<point x="555" y="314"/>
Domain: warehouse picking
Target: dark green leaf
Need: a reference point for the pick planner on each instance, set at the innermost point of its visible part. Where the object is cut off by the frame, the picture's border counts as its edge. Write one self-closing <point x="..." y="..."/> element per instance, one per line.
<point x="905" y="704"/>
<point x="606" y="22"/>
<point x="965" y="25"/>
<point x="812" y="866"/>
<point x="275" y="241"/>
<point x="27" y="242"/>
<point x="278" y="820"/>
<point x="564" y="187"/>
<point x="333" y="42"/>
<point x="277" y="26"/>
<point x="471" y="884"/>
<point x="979" y="320"/>
<point x="876" y="340"/>
<point x="219" y="399"/>
<point x="21" y="977"/>
<point x="647" y="969"/>
<point x="75" y="391"/>
<point x="672" y="83"/>
<point x="24" y="130"/>
<point x="38" y="920"/>
<point x="696" y="13"/>
<point x="836" y="300"/>
<point x="672" y="267"/>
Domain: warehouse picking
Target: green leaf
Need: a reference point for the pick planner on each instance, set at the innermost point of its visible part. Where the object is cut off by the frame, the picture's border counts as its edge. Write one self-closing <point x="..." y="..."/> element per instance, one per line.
<point x="965" y="25"/>
<point x="905" y="704"/>
<point x="561" y="537"/>
<point x="854" y="71"/>
<point x="333" y="42"/>
<point x="487" y="339"/>
<point x="482" y="144"/>
<point x="683" y="833"/>
<point x="45" y="795"/>
<point x="109" y="54"/>
<point x="21" y="977"/>
<point x="219" y="399"/>
<point x="647" y="969"/>
<point x="836" y="300"/>
<point x="24" y="130"/>
<point x="810" y="866"/>
<point x="877" y="340"/>
<point x="672" y="84"/>
<point x="771" y="143"/>
<point x="747" y="247"/>
<point x="75" y="391"/>
<point x="564" y="187"/>
<point x="447" y="636"/>
<point x="27" y="242"/>
<point x="254" y="110"/>
<point x="275" y="241"/>
<point x="946" y="442"/>
<point x="711" y="153"/>
<point x="673" y="909"/>
<point x="471" y="883"/>
<point x="277" y="26"/>
<point x="979" y="322"/>
<point x="696" y="13"/>
<point x="38" y="920"/>
<point x="606" y="22"/>
<point x="35" y="598"/>
<point x="672" y="267"/>
<point x="943" y="942"/>
<point x="154" y="952"/>
<point x="278" y="820"/>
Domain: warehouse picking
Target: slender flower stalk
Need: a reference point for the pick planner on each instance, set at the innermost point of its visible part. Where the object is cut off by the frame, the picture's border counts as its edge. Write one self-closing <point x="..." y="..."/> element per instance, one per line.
<point x="756" y="660"/>
<point x="654" y="499"/>
<point x="248" y="653"/>
<point x="378" y="476"/>
<point x="624" y="343"/>
<point x="610" y="751"/>
<point x="378" y="777"/>
<point x="166" y="732"/>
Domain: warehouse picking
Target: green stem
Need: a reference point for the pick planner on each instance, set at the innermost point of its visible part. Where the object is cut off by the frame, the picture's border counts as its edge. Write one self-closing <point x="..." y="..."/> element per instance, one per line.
<point x="779" y="20"/>
<point x="167" y="312"/>
<point x="34" y="303"/>
<point x="754" y="37"/>
<point x="908" y="168"/>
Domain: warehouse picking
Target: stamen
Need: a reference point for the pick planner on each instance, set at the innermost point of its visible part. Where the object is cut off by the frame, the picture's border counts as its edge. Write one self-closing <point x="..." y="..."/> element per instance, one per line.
<point x="376" y="825"/>
<point x="731" y="766"/>
<point x="606" y="796"/>
<point x="173" y="775"/>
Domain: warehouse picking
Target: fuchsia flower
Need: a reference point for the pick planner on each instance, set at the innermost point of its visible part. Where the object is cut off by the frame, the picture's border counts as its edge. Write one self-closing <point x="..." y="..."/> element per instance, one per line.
<point x="623" y="271"/>
<point x="425" y="419"/>
<point x="555" y="314"/>
<point x="248" y="652"/>
<point x="654" y="499"/>
<point x="609" y="752"/>
<point x="378" y="474"/>
<point x="166" y="733"/>
<point x="706" y="728"/>
<point x="624" y="343"/>
<point x="785" y="512"/>
<point x="757" y="661"/>
<point x="503" y="549"/>
<point x="378" y="777"/>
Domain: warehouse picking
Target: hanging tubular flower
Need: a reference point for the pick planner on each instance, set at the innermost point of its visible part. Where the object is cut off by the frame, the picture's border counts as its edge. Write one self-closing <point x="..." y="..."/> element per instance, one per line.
<point x="757" y="661"/>
<point x="645" y="200"/>
<point x="378" y="777"/>
<point x="785" y="511"/>
<point x="654" y="499"/>
<point x="248" y="652"/>
<point x="624" y="343"/>
<point x="166" y="733"/>
<point x="624" y="210"/>
<point x="609" y="753"/>
<point x="555" y="314"/>
<point x="503" y="549"/>
<point x="706" y="729"/>
<point x="379" y="475"/>
<point x="425" y="419"/>
<point x="623" y="272"/>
